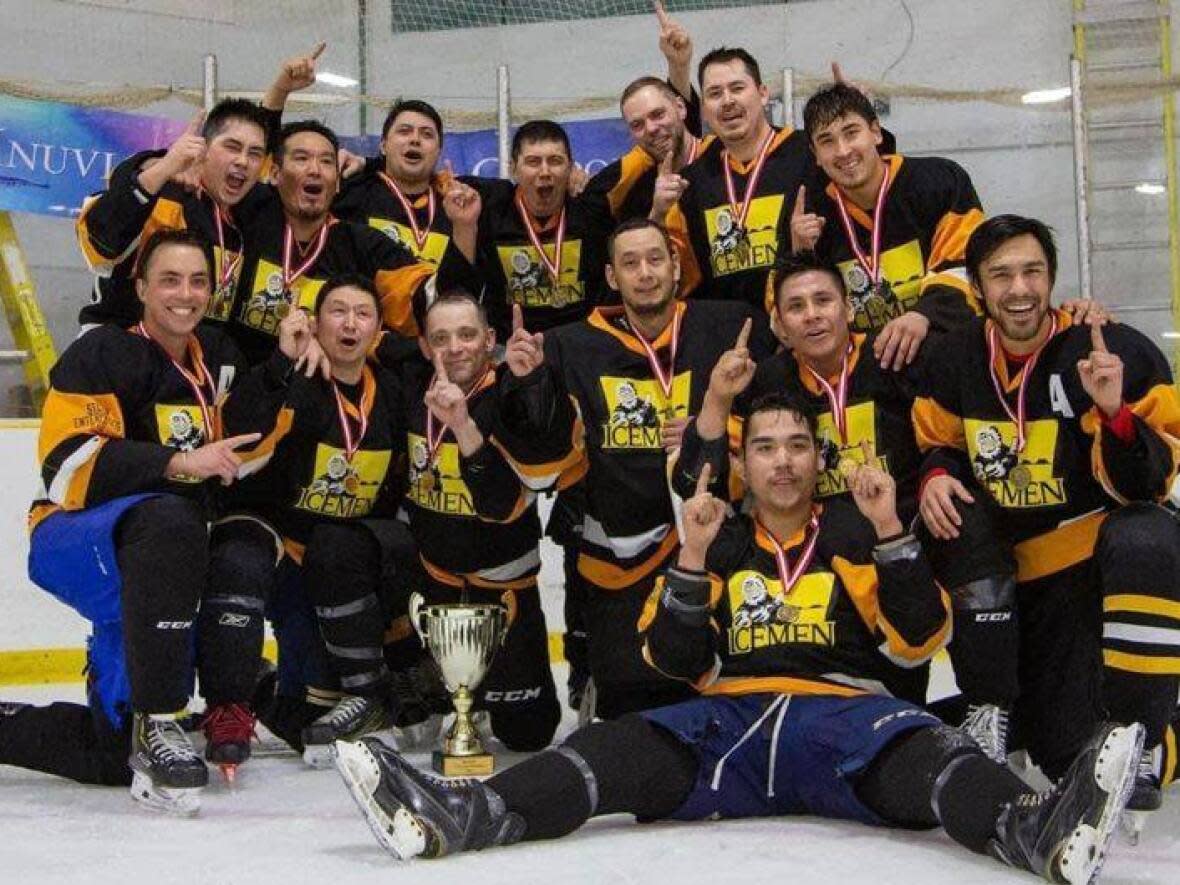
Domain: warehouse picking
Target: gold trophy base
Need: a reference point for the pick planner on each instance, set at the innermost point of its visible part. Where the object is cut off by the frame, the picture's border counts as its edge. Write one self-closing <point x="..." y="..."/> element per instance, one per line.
<point x="477" y="765"/>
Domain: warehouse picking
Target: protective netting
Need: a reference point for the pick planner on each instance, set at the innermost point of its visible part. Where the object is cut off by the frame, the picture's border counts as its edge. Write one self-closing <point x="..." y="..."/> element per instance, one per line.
<point x="442" y="15"/>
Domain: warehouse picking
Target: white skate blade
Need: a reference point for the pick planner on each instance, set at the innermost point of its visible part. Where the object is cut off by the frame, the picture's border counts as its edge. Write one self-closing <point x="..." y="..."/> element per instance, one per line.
<point x="1085" y="849"/>
<point x="420" y="736"/>
<point x="318" y="756"/>
<point x="399" y="834"/>
<point x="183" y="802"/>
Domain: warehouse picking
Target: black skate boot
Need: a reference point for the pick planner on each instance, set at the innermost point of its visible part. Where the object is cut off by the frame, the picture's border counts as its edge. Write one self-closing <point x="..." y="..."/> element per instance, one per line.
<point x="167" y="773"/>
<point x="414" y="814"/>
<point x="351" y="718"/>
<point x="1062" y="834"/>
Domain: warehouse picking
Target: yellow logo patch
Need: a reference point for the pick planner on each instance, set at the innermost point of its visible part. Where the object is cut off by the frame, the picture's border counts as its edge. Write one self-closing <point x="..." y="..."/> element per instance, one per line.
<point x="432" y="250"/>
<point x="733" y="248"/>
<point x="862" y="425"/>
<point x="438" y="486"/>
<point x="902" y="267"/>
<point x="638" y="409"/>
<point x="529" y="281"/>
<point x="261" y="309"/>
<point x="762" y="617"/>
<point x="1016" y="480"/>
<point x="343" y="488"/>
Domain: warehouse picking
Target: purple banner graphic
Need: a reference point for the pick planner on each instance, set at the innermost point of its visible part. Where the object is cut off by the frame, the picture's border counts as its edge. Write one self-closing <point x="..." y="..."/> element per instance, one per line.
<point x="52" y="155"/>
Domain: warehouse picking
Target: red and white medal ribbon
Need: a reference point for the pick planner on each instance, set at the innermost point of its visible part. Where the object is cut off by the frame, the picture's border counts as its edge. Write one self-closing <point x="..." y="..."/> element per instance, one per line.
<point x="196" y="383"/>
<point x="871" y="262"/>
<point x="742" y="209"/>
<point x="313" y="254"/>
<point x="693" y="147"/>
<point x="554" y="266"/>
<point x="421" y="234"/>
<point x="351" y="442"/>
<point x="787" y="576"/>
<point x="838" y="398"/>
<point x="228" y="269"/>
<point x="993" y="352"/>
<point x="664" y="378"/>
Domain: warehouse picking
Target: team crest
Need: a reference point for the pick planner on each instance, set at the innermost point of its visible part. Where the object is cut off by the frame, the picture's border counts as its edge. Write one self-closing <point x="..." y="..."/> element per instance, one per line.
<point x="1016" y="479"/>
<point x="637" y="409"/>
<point x="432" y="250"/>
<point x="437" y="484"/>
<point x="180" y="427"/>
<point x="735" y="247"/>
<point x="835" y="458"/>
<point x="762" y="617"/>
<point x="269" y="302"/>
<point x="341" y="486"/>
<point x="874" y="305"/>
<point x="530" y="284"/>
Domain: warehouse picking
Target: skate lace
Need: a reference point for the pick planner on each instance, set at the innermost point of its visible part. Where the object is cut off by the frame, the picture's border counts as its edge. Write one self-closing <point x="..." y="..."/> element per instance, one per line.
<point x="167" y="741"/>
<point x="230" y="723"/>
<point x="987" y="724"/>
<point x="349" y="708"/>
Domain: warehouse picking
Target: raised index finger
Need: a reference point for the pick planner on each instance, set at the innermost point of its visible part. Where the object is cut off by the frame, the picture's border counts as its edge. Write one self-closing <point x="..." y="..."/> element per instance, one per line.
<point x="1097" y="341"/>
<point x="743" y="338"/>
<point x="661" y="14"/>
<point x="800" y="202"/>
<point x="318" y="50"/>
<point x="440" y="369"/>
<point x="703" y="479"/>
<point x="517" y="318"/>
<point x="837" y="73"/>
<point x="195" y="124"/>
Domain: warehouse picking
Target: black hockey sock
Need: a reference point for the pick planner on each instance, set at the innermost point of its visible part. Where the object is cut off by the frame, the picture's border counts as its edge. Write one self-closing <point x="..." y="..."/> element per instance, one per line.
<point x="1139" y="697"/>
<point x="242" y="560"/>
<point x="343" y="567"/>
<point x="65" y="740"/>
<point x="985" y="648"/>
<point x="938" y="776"/>
<point x="628" y="765"/>
<point x="162" y="547"/>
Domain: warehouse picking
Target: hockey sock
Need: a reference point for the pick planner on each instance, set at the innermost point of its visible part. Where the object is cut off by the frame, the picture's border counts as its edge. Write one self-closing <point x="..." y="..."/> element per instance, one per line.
<point x="628" y="765"/>
<point x="1139" y="697"/>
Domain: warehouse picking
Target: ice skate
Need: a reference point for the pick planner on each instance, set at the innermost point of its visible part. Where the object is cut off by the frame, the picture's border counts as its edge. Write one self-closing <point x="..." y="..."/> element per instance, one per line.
<point x="167" y="773"/>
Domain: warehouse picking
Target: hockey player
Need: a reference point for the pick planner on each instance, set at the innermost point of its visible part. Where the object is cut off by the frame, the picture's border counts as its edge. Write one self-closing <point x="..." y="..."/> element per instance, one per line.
<point x="1087" y="421"/>
<point x="896" y="226"/>
<point x="651" y="354"/>
<point x="296" y="244"/>
<point x="121" y="534"/>
<point x="473" y="518"/>
<point x="226" y="151"/>
<point x="794" y="716"/>
<point x="332" y="462"/>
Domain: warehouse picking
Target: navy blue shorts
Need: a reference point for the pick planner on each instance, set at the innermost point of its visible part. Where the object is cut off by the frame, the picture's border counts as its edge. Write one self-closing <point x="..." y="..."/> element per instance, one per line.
<point x="771" y="754"/>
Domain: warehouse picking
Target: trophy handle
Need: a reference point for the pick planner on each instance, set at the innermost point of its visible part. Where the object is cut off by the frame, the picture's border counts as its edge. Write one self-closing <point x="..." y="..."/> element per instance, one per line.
<point x="416" y="601"/>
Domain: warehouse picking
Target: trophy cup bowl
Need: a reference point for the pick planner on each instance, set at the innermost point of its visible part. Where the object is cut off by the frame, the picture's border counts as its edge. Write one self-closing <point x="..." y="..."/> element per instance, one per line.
<point x="462" y="638"/>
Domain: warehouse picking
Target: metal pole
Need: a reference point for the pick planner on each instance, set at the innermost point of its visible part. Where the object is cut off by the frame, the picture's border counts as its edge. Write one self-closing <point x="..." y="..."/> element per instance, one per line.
<point x="1081" y="175"/>
<point x="504" y="120"/>
<point x="789" y="97"/>
<point x="209" y="83"/>
<point x="362" y="64"/>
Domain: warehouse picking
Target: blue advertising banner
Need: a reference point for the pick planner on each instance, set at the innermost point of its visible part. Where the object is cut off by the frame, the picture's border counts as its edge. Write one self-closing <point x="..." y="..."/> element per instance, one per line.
<point x="53" y="155"/>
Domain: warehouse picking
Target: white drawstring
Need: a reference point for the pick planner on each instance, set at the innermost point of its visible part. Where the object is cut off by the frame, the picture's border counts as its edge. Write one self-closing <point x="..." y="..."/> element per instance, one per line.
<point x="778" y="726"/>
<point x="774" y="705"/>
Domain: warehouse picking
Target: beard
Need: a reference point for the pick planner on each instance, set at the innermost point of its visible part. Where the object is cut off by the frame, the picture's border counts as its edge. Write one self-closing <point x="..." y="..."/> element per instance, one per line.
<point x="653" y="308"/>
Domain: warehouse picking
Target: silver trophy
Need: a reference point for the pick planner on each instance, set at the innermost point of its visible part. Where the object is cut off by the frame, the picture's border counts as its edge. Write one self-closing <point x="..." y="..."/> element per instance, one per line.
<point x="462" y="638"/>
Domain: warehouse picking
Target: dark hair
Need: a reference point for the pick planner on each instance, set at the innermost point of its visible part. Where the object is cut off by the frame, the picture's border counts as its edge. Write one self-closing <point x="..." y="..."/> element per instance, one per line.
<point x="539" y="130"/>
<point x="833" y="102"/>
<point x="652" y="82"/>
<point x="781" y="401"/>
<point x="230" y="109"/>
<point x="407" y="105"/>
<point x="724" y="55"/>
<point x="639" y="223"/>
<point x="791" y="264"/>
<point x="995" y="232"/>
<point x="350" y="281"/>
<point x="298" y="126"/>
<point x="170" y="236"/>
<point x="455" y="295"/>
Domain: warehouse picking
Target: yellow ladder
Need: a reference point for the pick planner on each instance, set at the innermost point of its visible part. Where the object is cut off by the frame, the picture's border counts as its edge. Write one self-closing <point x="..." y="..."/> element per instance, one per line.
<point x="1129" y="220"/>
<point x="30" y="334"/>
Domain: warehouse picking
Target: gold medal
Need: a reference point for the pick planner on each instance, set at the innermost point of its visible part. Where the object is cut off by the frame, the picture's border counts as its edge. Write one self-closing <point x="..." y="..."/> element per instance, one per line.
<point x="282" y="309"/>
<point x="848" y="466"/>
<point x="351" y="484"/>
<point x="426" y="482"/>
<point x="1021" y="477"/>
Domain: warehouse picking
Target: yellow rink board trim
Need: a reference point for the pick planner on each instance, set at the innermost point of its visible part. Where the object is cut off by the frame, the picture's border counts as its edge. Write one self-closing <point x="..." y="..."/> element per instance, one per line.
<point x="50" y="666"/>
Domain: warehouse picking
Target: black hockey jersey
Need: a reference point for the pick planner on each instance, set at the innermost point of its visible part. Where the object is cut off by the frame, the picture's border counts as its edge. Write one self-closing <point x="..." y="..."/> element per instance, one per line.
<point x="929" y="213"/>
<point x="474" y="519"/>
<point x="855" y="620"/>
<point x="330" y="451"/>
<point x="118" y="410"/>
<point x="1072" y="470"/>
<point x="615" y="409"/>
<point x="551" y="289"/>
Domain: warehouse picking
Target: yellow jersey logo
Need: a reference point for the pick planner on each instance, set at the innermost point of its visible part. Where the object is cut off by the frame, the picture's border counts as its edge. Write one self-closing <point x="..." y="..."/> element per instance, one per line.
<point x="529" y="281"/>
<point x="181" y="427"/>
<point x="734" y="247"/>
<point x="341" y="487"/>
<point x="760" y="616"/>
<point x="262" y="310"/>
<point x="637" y="409"/>
<point x="438" y="485"/>
<point x="432" y="250"/>
<point x="1016" y="479"/>
<point x="902" y="269"/>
